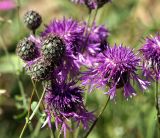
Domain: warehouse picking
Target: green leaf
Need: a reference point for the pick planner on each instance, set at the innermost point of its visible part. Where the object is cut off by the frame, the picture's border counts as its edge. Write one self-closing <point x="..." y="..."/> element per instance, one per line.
<point x="33" y="105"/>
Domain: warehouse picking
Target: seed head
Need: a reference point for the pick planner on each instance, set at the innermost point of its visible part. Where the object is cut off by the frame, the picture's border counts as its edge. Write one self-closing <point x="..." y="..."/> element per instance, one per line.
<point x="27" y="50"/>
<point x="53" y="49"/>
<point x="40" y="71"/>
<point x="32" y="19"/>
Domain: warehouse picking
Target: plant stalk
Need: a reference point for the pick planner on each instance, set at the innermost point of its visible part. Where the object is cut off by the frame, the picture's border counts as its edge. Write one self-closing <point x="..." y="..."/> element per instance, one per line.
<point x="94" y="123"/>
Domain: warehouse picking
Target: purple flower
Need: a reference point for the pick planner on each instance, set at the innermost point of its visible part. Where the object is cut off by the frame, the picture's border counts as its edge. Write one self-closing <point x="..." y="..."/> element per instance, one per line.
<point x="71" y="32"/>
<point x="7" y="5"/>
<point x="115" y="67"/>
<point x="92" y="4"/>
<point x="151" y="57"/>
<point x="64" y="102"/>
<point x="95" y="39"/>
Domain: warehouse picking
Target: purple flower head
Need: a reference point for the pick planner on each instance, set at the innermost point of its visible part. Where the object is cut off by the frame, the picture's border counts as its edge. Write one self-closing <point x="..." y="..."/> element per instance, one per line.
<point x="65" y="102"/>
<point x="115" y="67"/>
<point x="7" y="5"/>
<point x="96" y="39"/>
<point x="67" y="29"/>
<point x="71" y="33"/>
<point x="92" y="4"/>
<point x="151" y="57"/>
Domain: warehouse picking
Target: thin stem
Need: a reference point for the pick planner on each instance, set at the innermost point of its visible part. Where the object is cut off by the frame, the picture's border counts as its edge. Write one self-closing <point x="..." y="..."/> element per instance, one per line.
<point x="34" y="86"/>
<point x="27" y="119"/>
<point x="157" y="102"/>
<point x="24" y="128"/>
<point x="86" y="31"/>
<point x="94" y="18"/>
<point x="37" y="107"/>
<point x="33" y="32"/>
<point x="94" y="123"/>
<point x="22" y="93"/>
<point x="88" y="22"/>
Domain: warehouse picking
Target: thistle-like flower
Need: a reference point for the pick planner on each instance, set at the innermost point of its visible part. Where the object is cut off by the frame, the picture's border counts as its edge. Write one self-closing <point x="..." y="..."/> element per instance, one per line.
<point x="70" y="33"/>
<point x="95" y="39"/>
<point x="64" y="102"/>
<point x="151" y="57"/>
<point x="94" y="42"/>
<point x="115" y="67"/>
<point x="69" y="30"/>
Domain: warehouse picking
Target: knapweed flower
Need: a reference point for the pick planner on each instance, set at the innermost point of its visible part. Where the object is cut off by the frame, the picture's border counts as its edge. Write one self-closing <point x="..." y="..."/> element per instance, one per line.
<point x="115" y="67"/>
<point x="94" y="42"/>
<point x="95" y="39"/>
<point x="7" y="5"/>
<point x="92" y="4"/>
<point x="64" y="101"/>
<point x="69" y="30"/>
<point x="151" y="57"/>
<point x="70" y="33"/>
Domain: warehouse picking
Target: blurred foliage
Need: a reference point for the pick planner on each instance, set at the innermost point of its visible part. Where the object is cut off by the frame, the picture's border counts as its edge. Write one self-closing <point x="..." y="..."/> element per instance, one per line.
<point x="129" y="22"/>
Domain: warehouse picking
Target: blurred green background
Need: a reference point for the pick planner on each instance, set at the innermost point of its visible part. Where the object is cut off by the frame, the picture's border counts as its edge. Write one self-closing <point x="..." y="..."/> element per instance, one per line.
<point x="129" y="22"/>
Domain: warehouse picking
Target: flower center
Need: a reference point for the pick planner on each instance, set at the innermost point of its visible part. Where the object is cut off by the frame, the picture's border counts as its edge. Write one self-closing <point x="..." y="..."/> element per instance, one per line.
<point x="121" y="79"/>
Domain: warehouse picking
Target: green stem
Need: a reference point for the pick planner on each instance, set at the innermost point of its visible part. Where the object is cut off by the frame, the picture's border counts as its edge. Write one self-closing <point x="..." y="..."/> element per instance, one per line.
<point x="33" y="32"/>
<point x="27" y="119"/>
<point x="37" y="107"/>
<point x="94" y="18"/>
<point x="22" y="93"/>
<point x="157" y="102"/>
<point x="88" y="22"/>
<point x="24" y="128"/>
<point x="94" y="123"/>
<point x="86" y="31"/>
<point x="34" y="86"/>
